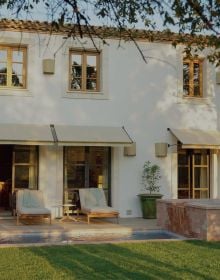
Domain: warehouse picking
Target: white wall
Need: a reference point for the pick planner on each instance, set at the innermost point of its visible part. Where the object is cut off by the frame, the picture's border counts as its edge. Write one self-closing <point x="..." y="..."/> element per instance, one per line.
<point x="146" y="98"/>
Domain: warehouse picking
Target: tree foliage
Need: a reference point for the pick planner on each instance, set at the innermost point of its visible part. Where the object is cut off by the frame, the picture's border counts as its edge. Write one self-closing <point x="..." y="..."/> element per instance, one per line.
<point x="195" y="17"/>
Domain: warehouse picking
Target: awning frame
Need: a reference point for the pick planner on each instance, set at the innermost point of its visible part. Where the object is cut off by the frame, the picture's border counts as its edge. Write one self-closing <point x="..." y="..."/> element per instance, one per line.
<point x="126" y="140"/>
<point x="212" y="135"/>
<point x="45" y="134"/>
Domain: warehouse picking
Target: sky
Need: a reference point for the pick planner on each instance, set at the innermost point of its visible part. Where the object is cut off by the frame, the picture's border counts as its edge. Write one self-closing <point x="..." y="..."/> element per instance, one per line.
<point x="40" y="13"/>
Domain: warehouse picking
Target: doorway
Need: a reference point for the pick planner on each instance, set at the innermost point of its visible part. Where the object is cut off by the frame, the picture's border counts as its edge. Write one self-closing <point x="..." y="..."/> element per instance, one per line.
<point x="86" y="167"/>
<point x="6" y="159"/>
<point x="18" y="170"/>
<point x="193" y="173"/>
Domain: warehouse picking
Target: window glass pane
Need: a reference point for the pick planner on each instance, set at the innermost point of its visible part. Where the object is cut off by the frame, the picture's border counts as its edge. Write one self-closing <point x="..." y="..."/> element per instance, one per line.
<point x="185" y="73"/>
<point x="182" y="159"/>
<point x="98" y="171"/>
<point x="201" y="194"/>
<point x="196" y="90"/>
<point x="75" y="167"/>
<point x="17" y="68"/>
<point x="76" y="155"/>
<point x="17" y="81"/>
<point x="3" y="80"/>
<point x="76" y="72"/>
<point x="3" y="55"/>
<point x="3" y="68"/>
<point x="183" y="194"/>
<point x="25" y="165"/>
<point x="91" y="72"/>
<point x="183" y="177"/>
<point x="22" y="156"/>
<point x="196" y="70"/>
<point x="200" y="159"/>
<point x="25" y="177"/>
<point x="75" y="176"/>
<point x="76" y="84"/>
<point x="76" y="59"/>
<point x="17" y="56"/>
<point x="91" y="61"/>
<point x="22" y="177"/>
<point x="91" y="84"/>
<point x="186" y="90"/>
<point x="201" y="177"/>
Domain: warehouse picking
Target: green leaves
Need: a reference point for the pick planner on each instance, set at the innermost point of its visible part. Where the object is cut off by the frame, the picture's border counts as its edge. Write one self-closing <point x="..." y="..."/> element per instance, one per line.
<point x="151" y="177"/>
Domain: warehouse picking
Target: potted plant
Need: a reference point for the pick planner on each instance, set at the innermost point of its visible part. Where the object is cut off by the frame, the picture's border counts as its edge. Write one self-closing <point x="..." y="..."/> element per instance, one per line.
<point x="150" y="181"/>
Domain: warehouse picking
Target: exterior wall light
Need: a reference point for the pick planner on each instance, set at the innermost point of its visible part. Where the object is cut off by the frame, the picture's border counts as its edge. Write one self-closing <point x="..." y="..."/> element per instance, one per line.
<point x="161" y="149"/>
<point x="48" y="66"/>
<point x="218" y="77"/>
<point x="130" y="150"/>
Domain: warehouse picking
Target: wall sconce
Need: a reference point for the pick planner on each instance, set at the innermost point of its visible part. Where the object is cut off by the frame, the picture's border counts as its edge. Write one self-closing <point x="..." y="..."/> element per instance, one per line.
<point x="161" y="149"/>
<point x="48" y="66"/>
<point x="218" y="77"/>
<point x="130" y="151"/>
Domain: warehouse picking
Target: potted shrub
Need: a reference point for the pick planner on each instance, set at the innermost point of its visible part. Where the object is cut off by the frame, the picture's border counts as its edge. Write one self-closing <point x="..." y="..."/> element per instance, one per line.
<point x="150" y="180"/>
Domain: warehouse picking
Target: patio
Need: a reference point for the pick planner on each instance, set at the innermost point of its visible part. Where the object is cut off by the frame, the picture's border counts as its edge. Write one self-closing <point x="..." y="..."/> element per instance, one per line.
<point x="98" y="228"/>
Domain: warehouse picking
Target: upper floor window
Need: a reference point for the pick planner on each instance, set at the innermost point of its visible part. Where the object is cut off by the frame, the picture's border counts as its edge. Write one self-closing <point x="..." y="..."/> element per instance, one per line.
<point x="84" y="72"/>
<point x="192" y="77"/>
<point x="12" y="67"/>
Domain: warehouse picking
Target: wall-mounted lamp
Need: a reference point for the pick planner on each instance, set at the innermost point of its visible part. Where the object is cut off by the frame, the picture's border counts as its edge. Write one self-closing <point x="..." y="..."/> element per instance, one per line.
<point x="130" y="150"/>
<point x="48" y="66"/>
<point x="161" y="149"/>
<point x="218" y="77"/>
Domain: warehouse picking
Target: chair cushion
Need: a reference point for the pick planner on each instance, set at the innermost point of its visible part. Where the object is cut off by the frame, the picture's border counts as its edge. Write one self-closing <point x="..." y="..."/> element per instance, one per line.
<point x="34" y="211"/>
<point x="93" y="197"/>
<point x="90" y="200"/>
<point x="33" y="199"/>
<point x="106" y="209"/>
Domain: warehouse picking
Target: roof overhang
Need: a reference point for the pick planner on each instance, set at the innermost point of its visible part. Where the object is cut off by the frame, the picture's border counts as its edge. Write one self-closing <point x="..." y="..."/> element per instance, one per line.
<point x="197" y="139"/>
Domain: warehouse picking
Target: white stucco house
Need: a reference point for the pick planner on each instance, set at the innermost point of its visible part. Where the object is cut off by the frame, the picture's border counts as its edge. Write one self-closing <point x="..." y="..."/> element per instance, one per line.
<point x="69" y="112"/>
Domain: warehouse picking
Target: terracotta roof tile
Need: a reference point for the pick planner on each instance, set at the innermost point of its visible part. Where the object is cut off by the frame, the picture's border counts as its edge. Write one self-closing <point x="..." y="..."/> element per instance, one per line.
<point x="102" y="32"/>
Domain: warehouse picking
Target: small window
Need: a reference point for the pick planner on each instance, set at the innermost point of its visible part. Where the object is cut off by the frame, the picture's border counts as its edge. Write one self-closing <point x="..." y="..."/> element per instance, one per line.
<point x="84" y="72"/>
<point x="12" y="67"/>
<point x="192" y="77"/>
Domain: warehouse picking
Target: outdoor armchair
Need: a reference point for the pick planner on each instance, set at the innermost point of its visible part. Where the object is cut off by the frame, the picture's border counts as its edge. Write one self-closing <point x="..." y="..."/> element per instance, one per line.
<point x="93" y="204"/>
<point x="30" y="204"/>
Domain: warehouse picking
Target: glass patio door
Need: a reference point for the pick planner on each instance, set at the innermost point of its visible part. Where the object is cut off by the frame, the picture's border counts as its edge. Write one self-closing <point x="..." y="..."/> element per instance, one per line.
<point x="193" y="174"/>
<point x="86" y="167"/>
<point x="24" y="167"/>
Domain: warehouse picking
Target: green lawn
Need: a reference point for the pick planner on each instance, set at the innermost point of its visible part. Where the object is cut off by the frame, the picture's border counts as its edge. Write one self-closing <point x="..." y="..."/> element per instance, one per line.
<point x="146" y="260"/>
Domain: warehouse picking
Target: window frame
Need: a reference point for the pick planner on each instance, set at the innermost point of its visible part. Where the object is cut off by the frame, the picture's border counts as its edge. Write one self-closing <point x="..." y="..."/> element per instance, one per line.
<point x="9" y="62"/>
<point x="84" y="54"/>
<point x="191" y="190"/>
<point x="191" y="61"/>
<point x="32" y="165"/>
